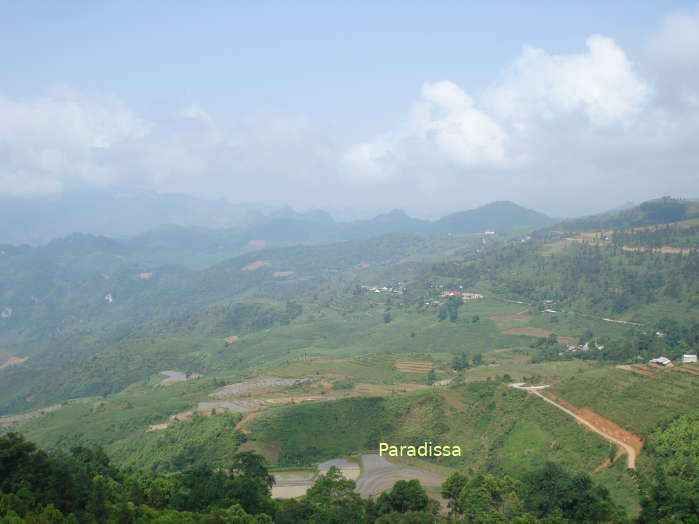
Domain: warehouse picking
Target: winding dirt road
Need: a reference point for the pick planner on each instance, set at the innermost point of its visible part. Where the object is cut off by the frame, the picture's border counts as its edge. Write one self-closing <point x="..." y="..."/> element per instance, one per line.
<point x="629" y="450"/>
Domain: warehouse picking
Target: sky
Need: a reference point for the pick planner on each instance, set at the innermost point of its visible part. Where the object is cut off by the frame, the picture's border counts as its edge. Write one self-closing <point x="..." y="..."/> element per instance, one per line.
<point x="567" y="107"/>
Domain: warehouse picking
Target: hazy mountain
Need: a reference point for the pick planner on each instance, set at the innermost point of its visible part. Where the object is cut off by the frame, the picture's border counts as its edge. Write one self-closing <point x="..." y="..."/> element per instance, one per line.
<point x="37" y="221"/>
<point x="219" y="224"/>
<point x="498" y="216"/>
<point x="657" y="211"/>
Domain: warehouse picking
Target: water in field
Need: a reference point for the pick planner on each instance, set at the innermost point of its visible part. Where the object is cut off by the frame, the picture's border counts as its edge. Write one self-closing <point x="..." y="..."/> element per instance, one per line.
<point x="290" y="484"/>
<point x="375" y="475"/>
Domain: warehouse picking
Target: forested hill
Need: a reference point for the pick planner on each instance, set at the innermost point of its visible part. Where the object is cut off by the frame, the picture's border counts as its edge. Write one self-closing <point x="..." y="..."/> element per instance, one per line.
<point x="613" y="267"/>
<point x="85" y="281"/>
<point x="658" y="211"/>
<point x="498" y="216"/>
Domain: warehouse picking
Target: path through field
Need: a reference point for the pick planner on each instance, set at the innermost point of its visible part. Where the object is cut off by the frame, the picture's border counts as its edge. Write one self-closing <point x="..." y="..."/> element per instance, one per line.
<point x="630" y="451"/>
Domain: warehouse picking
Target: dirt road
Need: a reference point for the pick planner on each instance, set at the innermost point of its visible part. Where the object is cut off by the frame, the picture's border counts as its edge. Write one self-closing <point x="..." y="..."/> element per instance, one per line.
<point x="630" y="451"/>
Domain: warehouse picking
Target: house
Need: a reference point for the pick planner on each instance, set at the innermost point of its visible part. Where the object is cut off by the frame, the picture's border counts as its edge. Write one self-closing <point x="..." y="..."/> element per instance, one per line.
<point x="489" y="232"/>
<point x="471" y="296"/>
<point x="661" y="361"/>
<point x="660" y="334"/>
<point x="686" y="359"/>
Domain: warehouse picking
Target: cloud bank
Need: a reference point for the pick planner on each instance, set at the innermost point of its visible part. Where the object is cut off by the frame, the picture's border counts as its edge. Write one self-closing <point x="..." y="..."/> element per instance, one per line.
<point x="565" y="133"/>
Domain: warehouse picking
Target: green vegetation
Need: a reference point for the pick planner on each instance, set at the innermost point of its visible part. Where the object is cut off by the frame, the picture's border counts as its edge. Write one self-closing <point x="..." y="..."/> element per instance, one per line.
<point x="375" y="328"/>
<point x="201" y="441"/>
<point x="633" y="401"/>
<point x="83" y="486"/>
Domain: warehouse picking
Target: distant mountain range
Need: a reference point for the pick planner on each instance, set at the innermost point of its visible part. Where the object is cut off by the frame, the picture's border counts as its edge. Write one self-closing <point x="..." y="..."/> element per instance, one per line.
<point x="158" y="221"/>
<point x="657" y="211"/>
<point x="37" y="221"/>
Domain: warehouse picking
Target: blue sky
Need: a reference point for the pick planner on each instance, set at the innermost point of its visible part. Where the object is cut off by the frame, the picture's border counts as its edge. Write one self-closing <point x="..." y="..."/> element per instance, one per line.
<point x="288" y="91"/>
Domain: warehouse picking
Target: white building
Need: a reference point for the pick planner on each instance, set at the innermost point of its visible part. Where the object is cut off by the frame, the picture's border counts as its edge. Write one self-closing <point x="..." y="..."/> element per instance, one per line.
<point x="661" y="360"/>
<point x="686" y="359"/>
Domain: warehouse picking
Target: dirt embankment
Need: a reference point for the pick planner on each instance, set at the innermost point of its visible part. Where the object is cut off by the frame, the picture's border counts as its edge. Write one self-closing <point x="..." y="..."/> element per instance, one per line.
<point x="252" y="266"/>
<point x="636" y="369"/>
<point x="405" y="366"/>
<point x="13" y="361"/>
<point x="629" y="442"/>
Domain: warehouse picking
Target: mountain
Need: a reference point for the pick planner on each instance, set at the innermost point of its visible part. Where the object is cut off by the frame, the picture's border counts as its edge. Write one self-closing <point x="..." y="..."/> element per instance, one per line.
<point x="498" y="216"/>
<point x="222" y="229"/>
<point x="103" y="213"/>
<point x="657" y="211"/>
<point x="396" y="221"/>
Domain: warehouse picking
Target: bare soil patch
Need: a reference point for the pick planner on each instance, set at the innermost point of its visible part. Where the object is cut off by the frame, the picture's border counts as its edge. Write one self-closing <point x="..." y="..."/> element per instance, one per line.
<point x="405" y="366"/>
<point x="529" y="331"/>
<point x="23" y="417"/>
<point x="611" y="428"/>
<point x="146" y="276"/>
<point x="636" y="369"/>
<point x="369" y="389"/>
<point x="13" y="361"/>
<point x="283" y="274"/>
<point x="245" y="420"/>
<point x="631" y="442"/>
<point x="252" y="266"/>
<point x="687" y="369"/>
<point x="232" y="339"/>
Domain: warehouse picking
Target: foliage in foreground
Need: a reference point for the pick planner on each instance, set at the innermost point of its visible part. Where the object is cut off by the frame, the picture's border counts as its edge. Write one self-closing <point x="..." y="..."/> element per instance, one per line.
<point x="83" y="486"/>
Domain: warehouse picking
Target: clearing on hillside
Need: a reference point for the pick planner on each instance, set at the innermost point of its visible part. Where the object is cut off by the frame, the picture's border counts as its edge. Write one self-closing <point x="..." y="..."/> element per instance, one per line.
<point x="529" y="331"/>
<point x="13" y="361"/>
<point x="636" y="369"/>
<point x="252" y="266"/>
<point x="405" y="366"/>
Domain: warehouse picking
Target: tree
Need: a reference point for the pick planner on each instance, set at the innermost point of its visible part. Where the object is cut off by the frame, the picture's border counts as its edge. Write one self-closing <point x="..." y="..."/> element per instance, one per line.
<point x="387" y="318"/>
<point x="251" y="465"/>
<point x="478" y="359"/>
<point x="451" y="489"/>
<point x="404" y="496"/>
<point x="551" y="489"/>
<point x="334" y="501"/>
<point x="460" y="362"/>
<point x="431" y="377"/>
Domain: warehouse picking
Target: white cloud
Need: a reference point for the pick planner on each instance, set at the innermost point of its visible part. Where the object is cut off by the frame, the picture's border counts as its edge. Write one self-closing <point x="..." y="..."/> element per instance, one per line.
<point x="67" y="138"/>
<point x="677" y="39"/>
<point x="673" y="58"/>
<point x="601" y="83"/>
<point x="560" y="132"/>
<point x="48" y="141"/>
<point x="445" y="128"/>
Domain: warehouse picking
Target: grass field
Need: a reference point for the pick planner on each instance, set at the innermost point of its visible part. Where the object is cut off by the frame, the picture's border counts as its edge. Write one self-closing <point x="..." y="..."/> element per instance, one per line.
<point x="632" y="400"/>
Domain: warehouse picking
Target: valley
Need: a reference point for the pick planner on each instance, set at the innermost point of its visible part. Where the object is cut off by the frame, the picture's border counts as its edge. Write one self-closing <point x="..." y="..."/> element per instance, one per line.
<point x="521" y="352"/>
